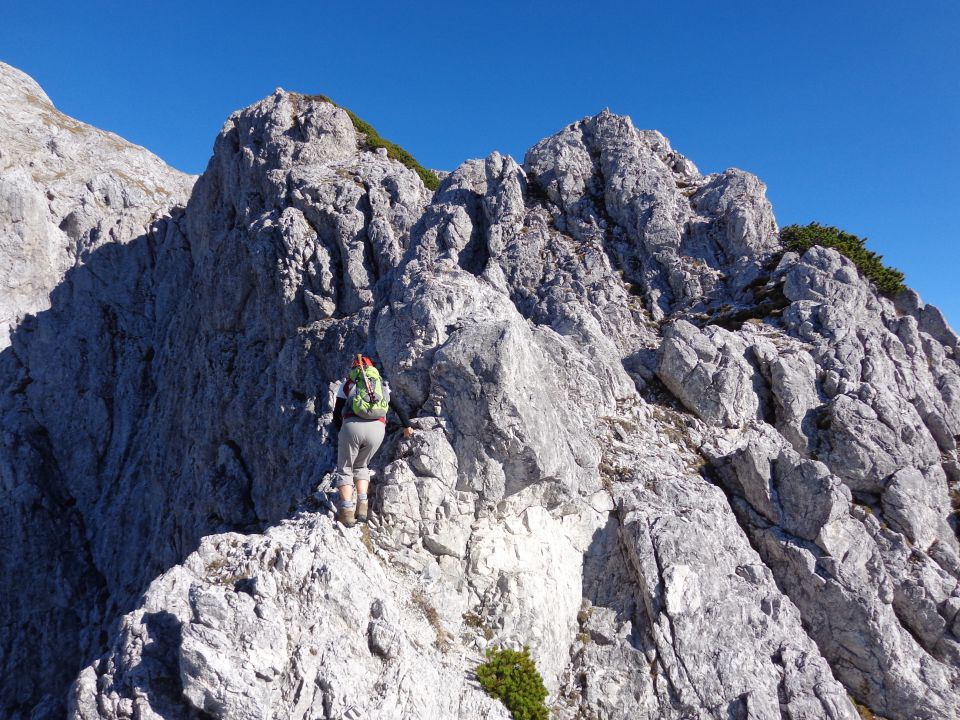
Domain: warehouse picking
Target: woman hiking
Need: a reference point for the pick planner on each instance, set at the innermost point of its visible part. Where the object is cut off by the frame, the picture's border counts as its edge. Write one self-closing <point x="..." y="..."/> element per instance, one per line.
<point x="360" y="417"/>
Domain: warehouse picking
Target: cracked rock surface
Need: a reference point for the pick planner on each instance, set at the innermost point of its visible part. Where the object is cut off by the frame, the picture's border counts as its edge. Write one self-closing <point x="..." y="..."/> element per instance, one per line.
<point x="699" y="476"/>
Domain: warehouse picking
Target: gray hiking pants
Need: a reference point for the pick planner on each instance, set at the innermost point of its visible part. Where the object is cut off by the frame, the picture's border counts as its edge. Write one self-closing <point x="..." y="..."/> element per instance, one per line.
<point x="359" y="440"/>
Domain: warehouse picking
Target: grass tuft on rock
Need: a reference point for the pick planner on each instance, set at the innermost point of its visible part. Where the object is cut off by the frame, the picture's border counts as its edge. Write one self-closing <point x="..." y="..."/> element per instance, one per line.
<point x="513" y="678"/>
<point x="800" y="238"/>
<point x="394" y="151"/>
<point x="862" y="710"/>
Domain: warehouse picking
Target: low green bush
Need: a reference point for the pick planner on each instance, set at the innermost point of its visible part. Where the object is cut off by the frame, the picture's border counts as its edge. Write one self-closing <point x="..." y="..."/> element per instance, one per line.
<point x="394" y="151"/>
<point x="801" y="238"/>
<point x="513" y="678"/>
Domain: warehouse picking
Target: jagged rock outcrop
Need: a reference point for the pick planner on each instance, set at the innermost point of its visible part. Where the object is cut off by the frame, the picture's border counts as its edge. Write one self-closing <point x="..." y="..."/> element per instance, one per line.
<point x="698" y="476"/>
<point x="855" y="521"/>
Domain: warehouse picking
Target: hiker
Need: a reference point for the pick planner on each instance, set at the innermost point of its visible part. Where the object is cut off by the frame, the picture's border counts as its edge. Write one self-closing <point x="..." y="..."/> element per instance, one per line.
<point x="360" y="417"/>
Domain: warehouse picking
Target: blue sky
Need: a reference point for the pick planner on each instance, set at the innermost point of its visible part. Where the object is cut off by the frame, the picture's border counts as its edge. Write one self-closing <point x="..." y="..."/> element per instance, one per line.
<point x="849" y="111"/>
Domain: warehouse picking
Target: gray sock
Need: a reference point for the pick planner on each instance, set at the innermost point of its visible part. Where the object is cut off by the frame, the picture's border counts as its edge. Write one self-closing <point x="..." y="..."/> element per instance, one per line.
<point x="361" y="496"/>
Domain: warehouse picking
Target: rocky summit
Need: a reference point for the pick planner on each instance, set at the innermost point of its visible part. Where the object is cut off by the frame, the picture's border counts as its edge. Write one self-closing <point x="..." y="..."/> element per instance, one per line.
<point x="698" y="475"/>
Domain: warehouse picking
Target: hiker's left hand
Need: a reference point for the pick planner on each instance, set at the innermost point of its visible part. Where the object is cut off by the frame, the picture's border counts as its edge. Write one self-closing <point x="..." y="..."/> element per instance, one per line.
<point x="407" y="432"/>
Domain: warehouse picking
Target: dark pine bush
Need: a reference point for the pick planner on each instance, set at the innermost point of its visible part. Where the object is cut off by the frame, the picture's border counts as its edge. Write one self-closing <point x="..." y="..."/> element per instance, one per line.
<point x="513" y="678"/>
<point x="801" y="238"/>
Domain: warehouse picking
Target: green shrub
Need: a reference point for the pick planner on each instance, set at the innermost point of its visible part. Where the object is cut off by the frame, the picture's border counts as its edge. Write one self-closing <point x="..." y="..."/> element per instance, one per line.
<point x="888" y="280"/>
<point x="394" y="151"/>
<point x="512" y="677"/>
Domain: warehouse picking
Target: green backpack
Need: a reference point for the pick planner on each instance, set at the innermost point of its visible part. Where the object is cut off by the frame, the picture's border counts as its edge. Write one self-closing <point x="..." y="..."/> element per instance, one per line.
<point x="369" y="400"/>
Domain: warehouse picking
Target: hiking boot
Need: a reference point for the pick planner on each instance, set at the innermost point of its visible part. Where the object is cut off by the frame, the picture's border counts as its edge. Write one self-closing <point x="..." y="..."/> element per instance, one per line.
<point x="363" y="510"/>
<point x="347" y="516"/>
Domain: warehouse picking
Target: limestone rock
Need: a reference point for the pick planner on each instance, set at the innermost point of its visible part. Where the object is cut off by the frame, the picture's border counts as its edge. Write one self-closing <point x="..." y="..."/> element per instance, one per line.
<point x="708" y="371"/>
<point x="298" y="651"/>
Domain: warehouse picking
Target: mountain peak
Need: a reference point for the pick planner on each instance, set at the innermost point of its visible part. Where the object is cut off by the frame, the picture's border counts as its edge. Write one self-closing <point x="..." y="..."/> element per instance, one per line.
<point x="695" y="472"/>
<point x="16" y="86"/>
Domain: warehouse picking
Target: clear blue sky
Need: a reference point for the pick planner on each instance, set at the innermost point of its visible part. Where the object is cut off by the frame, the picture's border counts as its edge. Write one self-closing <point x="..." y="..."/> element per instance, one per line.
<point x="849" y="111"/>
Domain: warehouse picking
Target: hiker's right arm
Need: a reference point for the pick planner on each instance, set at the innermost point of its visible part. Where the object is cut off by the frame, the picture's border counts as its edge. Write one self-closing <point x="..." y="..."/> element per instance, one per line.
<point x="404" y="418"/>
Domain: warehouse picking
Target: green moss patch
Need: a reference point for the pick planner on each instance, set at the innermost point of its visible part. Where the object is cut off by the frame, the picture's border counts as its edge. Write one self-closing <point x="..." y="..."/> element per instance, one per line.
<point x="394" y="151"/>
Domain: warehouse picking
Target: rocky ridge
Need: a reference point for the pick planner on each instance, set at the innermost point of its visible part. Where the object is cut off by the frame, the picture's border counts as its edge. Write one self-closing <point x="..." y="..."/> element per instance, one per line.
<point x="698" y="476"/>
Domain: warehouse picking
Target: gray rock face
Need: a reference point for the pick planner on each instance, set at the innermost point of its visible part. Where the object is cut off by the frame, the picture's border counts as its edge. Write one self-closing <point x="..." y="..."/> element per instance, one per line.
<point x="65" y="189"/>
<point x="152" y="368"/>
<point x="697" y="476"/>
<point x="279" y="625"/>
<point x="853" y="517"/>
<point x="67" y="192"/>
